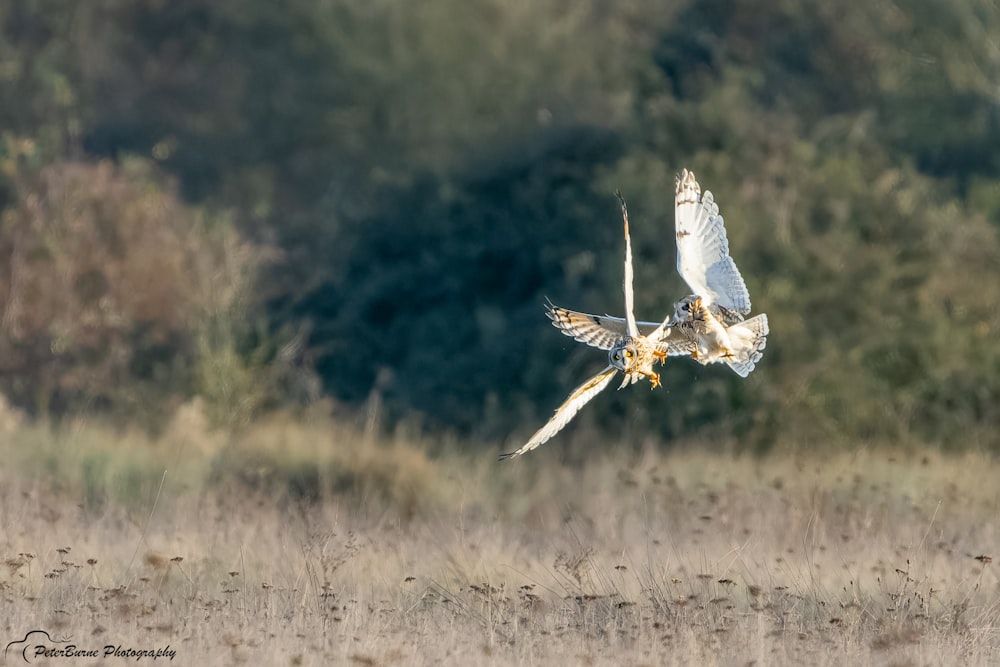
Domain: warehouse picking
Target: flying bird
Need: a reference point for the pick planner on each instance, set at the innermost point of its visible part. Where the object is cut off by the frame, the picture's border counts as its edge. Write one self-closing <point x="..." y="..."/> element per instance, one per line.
<point x="708" y="325"/>
<point x="629" y="351"/>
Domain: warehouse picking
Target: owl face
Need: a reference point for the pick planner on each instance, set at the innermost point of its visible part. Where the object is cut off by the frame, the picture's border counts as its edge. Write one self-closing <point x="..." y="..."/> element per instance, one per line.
<point x="624" y="356"/>
<point x="687" y="308"/>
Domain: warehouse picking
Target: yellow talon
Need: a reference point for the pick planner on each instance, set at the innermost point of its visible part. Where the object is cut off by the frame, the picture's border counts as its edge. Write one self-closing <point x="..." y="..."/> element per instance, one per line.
<point x="654" y="379"/>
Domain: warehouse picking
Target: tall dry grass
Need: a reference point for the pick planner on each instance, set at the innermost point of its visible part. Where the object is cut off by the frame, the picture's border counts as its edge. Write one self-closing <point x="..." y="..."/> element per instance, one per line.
<point x="307" y="542"/>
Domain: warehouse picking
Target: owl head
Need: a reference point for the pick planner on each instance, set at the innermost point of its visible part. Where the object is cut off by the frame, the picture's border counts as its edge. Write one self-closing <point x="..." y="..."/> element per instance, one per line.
<point x="624" y="355"/>
<point x="687" y="308"/>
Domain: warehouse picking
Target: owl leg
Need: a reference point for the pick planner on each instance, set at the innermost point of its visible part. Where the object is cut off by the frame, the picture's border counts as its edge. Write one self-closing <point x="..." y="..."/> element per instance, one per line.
<point x="654" y="380"/>
<point x="661" y="355"/>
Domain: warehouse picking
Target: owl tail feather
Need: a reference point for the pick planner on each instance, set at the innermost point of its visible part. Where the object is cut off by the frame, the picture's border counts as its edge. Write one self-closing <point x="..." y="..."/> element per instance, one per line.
<point x="748" y="338"/>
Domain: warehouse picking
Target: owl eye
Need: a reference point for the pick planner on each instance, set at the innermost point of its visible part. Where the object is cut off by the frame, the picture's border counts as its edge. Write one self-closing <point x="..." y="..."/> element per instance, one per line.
<point x="628" y="353"/>
<point x="617" y="356"/>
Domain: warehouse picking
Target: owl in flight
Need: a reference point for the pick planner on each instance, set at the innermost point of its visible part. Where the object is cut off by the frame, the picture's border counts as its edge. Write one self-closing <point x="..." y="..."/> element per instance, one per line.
<point x="709" y="324"/>
<point x="629" y="351"/>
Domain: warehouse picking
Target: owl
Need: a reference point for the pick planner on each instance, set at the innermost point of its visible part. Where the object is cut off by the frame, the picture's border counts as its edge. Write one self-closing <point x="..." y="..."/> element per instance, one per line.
<point x="739" y="345"/>
<point x="629" y="351"/>
<point x="709" y="324"/>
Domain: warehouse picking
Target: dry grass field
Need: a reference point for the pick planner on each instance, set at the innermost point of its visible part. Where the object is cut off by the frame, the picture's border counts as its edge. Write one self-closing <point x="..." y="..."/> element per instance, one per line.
<point x="312" y="544"/>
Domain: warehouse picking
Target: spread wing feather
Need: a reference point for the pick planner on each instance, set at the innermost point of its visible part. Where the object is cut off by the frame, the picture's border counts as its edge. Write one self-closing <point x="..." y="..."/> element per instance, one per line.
<point x="603" y="331"/>
<point x="580" y="397"/>
<point x="703" y="259"/>
<point x="633" y="331"/>
<point x="594" y="330"/>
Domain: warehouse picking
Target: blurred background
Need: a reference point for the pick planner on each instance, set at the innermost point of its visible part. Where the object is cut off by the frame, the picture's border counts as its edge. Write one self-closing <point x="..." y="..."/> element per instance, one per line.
<point x="360" y="207"/>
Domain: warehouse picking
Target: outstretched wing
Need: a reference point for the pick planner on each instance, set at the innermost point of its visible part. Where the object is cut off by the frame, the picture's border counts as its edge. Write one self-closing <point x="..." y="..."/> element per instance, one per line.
<point x="703" y="250"/>
<point x="594" y="330"/>
<point x="633" y="331"/>
<point x="603" y="331"/>
<point x="580" y="397"/>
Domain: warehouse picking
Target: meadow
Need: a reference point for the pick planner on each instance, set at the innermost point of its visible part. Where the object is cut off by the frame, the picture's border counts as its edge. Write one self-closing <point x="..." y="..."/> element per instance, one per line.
<point x="307" y="542"/>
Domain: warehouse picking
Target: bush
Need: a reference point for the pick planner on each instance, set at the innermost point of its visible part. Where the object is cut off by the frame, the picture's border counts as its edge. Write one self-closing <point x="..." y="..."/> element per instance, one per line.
<point x="111" y="279"/>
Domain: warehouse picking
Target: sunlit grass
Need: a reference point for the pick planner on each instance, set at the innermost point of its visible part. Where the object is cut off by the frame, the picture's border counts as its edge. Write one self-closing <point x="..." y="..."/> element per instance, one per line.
<point x="310" y="542"/>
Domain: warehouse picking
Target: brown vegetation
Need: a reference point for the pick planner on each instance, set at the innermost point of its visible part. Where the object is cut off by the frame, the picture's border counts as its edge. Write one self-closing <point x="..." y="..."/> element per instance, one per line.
<point x="323" y="545"/>
<point x="119" y="299"/>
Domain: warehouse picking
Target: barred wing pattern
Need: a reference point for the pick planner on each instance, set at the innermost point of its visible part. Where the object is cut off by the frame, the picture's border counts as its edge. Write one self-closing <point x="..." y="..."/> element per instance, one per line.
<point x="703" y="259"/>
<point x="579" y="398"/>
<point x="748" y="339"/>
<point x="601" y="331"/>
<point x="597" y="331"/>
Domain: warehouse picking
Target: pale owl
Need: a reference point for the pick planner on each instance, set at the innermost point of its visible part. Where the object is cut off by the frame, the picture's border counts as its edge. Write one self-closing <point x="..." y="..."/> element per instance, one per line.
<point x="740" y="345"/>
<point x="629" y="351"/>
<point x="709" y="324"/>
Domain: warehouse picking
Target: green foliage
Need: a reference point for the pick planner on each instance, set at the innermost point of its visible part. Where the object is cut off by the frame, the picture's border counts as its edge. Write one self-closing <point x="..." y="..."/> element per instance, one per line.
<point x="429" y="172"/>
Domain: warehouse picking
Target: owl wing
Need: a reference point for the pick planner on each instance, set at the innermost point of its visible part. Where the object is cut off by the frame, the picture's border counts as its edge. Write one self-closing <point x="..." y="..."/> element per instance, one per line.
<point x="676" y="341"/>
<point x="603" y="331"/>
<point x="597" y="331"/>
<point x="703" y="259"/>
<point x="632" y="330"/>
<point x="580" y="397"/>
